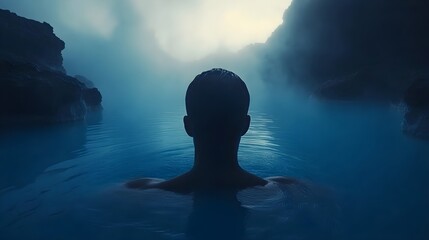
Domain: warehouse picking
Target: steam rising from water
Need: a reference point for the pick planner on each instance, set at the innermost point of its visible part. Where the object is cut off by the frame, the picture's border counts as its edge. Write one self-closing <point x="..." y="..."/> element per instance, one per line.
<point x="186" y="30"/>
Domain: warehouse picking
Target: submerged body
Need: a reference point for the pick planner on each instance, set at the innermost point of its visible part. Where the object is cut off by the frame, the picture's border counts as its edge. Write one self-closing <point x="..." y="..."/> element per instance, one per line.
<point x="281" y="206"/>
<point x="190" y="182"/>
<point x="217" y="103"/>
<point x="193" y="181"/>
<point x="224" y="194"/>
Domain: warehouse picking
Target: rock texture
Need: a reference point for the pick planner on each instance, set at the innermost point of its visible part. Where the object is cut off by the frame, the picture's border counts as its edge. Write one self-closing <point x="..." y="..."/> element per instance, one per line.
<point x="24" y="40"/>
<point x="358" y="86"/>
<point x="92" y="98"/>
<point x="416" y="99"/>
<point x="33" y="83"/>
<point x="28" y="93"/>
<point x="88" y="83"/>
<point x="329" y="40"/>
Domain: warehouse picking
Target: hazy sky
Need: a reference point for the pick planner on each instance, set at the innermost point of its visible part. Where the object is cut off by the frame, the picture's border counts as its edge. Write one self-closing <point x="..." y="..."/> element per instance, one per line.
<point x="185" y="29"/>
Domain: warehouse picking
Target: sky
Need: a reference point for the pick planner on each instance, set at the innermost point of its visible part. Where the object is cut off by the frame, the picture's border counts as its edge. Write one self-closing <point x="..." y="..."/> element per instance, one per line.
<point x="187" y="30"/>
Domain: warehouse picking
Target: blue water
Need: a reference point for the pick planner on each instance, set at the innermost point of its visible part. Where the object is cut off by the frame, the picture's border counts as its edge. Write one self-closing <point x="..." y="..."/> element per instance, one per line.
<point x="64" y="181"/>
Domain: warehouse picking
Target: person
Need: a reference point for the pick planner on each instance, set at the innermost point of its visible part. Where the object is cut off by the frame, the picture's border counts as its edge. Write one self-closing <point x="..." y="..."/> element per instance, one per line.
<point x="217" y="104"/>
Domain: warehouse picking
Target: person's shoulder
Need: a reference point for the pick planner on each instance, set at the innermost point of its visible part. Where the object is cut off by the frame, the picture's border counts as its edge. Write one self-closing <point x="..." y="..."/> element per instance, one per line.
<point x="299" y="187"/>
<point x="179" y="184"/>
<point x="143" y="183"/>
<point x="285" y="180"/>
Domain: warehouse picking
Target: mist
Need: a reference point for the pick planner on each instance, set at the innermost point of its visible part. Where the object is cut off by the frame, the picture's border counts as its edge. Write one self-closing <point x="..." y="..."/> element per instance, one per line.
<point x="139" y="51"/>
<point x="365" y="49"/>
<point x="334" y="101"/>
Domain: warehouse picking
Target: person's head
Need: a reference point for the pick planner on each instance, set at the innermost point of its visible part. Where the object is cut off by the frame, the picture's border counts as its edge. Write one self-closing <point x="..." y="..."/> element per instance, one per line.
<point x="217" y="102"/>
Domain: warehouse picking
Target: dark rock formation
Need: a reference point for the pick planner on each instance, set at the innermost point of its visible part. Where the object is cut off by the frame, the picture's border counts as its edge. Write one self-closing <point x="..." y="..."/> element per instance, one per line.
<point x="321" y="40"/>
<point x="346" y="88"/>
<point x="362" y="85"/>
<point x="24" y="40"/>
<point x="28" y="93"/>
<point x="88" y="83"/>
<point x="33" y="82"/>
<point x="416" y="99"/>
<point x="92" y="97"/>
<point x="417" y="95"/>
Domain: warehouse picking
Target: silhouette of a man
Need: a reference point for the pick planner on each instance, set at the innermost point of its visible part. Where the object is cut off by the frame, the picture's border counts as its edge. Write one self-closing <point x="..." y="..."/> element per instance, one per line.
<point x="217" y="103"/>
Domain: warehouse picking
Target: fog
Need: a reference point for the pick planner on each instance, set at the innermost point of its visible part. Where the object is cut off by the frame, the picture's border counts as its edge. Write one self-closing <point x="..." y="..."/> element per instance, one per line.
<point x="150" y="43"/>
<point x="142" y="54"/>
<point x="385" y="41"/>
<point x="185" y="30"/>
<point x="137" y="50"/>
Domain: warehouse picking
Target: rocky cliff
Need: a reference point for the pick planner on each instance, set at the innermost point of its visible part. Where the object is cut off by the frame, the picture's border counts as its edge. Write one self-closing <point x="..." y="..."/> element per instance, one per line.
<point x="352" y="49"/>
<point x="34" y="85"/>
<point x="24" y="40"/>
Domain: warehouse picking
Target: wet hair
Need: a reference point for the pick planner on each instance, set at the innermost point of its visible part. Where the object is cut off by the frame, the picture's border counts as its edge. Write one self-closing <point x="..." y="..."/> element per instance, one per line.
<point x="217" y="92"/>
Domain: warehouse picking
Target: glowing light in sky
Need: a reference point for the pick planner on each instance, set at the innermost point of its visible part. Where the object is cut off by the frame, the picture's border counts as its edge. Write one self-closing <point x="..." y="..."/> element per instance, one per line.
<point x="192" y="29"/>
<point x="185" y="29"/>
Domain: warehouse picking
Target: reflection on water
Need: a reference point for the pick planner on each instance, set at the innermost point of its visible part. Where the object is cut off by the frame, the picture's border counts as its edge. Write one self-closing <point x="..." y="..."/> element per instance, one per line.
<point x="259" y="144"/>
<point x="50" y="176"/>
<point x="25" y="153"/>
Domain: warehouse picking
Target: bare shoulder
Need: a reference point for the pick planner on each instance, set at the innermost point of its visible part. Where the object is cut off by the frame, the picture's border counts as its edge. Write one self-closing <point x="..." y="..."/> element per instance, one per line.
<point x="143" y="183"/>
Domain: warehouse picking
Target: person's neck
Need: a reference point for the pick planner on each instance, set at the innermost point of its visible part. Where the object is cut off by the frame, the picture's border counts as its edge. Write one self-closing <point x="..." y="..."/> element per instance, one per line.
<point x="216" y="161"/>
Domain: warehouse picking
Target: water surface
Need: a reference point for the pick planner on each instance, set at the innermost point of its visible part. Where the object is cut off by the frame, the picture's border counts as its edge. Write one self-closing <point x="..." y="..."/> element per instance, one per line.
<point x="64" y="181"/>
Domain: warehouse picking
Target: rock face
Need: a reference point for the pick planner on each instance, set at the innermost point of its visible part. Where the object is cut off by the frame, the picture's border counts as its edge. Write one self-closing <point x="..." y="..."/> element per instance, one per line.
<point x="325" y="40"/>
<point x="346" y="88"/>
<point x="358" y="86"/>
<point x="85" y="81"/>
<point x="92" y="98"/>
<point x="416" y="99"/>
<point x="28" y="93"/>
<point x="33" y="83"/>
<point x="24" y="40"/>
